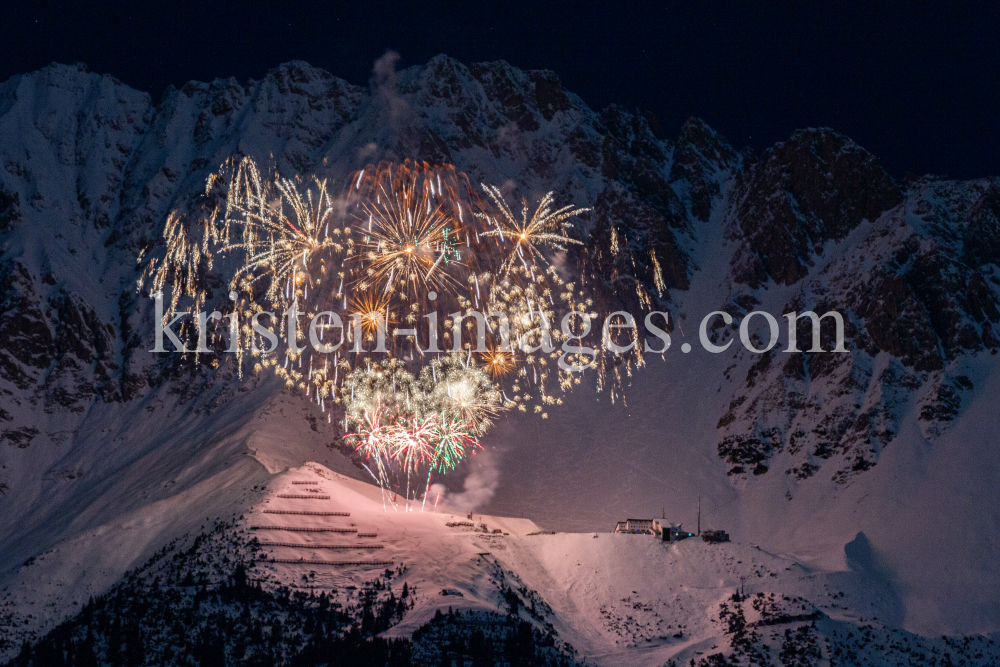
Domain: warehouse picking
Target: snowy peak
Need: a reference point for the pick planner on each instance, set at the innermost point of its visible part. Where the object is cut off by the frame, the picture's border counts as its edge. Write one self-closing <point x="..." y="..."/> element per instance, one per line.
<point x="703" y="160"/>
<point x="813" y="188"/>
<point x="91" y="169"/>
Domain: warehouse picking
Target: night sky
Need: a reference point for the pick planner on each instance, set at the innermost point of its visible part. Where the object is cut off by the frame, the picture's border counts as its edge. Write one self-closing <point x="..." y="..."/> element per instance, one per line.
<point x="916" y="84"/>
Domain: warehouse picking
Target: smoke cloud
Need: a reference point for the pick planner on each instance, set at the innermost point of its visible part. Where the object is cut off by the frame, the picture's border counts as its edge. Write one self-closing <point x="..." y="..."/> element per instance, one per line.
<point x="384" y="85"/>
<point x="480" y="485"/>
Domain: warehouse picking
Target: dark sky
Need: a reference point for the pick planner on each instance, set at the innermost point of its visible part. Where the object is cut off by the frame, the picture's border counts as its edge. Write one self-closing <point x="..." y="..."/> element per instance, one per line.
<point x="916" y="84"/>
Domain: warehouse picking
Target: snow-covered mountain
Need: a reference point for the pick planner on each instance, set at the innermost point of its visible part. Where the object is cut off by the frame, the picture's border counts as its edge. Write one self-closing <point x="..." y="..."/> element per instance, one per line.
<point x="108" y="452"/>
<point x="315" y="566"/>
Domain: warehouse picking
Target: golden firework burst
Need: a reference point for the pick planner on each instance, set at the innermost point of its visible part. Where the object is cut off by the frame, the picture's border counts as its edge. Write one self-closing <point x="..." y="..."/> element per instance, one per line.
<point x="546" y="227"/>
<point x="412" y="238"/>
<point x="497" y="362"/>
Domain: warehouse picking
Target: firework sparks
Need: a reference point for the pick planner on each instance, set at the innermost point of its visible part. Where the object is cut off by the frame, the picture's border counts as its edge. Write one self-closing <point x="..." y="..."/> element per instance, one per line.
<point x="401" y="239"/>
<point x="410" y="242"/>
<point x="499" y="363"/>
<point x="526" y="236"/>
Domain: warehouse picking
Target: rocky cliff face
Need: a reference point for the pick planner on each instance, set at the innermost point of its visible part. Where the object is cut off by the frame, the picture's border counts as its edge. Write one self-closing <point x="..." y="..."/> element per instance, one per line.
<point x="90" y="168"/>
<point x="910" y="266"/>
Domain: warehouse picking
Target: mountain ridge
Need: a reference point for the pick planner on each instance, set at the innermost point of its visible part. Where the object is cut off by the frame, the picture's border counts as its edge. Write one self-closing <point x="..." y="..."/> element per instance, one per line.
<point x="90" y="169"/>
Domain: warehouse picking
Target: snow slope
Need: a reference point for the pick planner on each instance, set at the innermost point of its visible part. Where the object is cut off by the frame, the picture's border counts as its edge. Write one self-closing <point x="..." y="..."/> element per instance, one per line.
<point x="611" y="599"/>
<point x="616" y="599"/>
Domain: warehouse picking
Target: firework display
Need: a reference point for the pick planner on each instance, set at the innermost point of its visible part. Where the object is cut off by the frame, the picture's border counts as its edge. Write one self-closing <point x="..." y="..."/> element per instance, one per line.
<point x="412" y="306"/>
